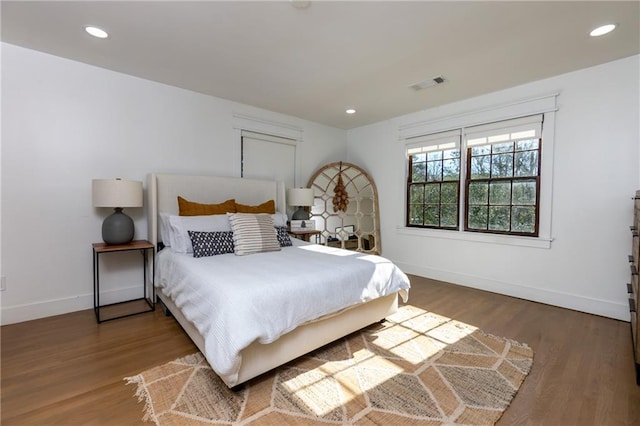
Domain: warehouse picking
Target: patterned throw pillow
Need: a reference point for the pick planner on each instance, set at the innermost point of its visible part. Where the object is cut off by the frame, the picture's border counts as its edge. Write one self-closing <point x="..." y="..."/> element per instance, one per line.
<point x="253" y="233"/>
<point x="283" y="236"/>
<point x="211" y="243"/>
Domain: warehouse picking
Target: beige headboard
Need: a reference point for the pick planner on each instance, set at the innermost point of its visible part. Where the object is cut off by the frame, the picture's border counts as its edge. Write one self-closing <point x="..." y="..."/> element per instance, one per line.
<point x="163" y="190"/>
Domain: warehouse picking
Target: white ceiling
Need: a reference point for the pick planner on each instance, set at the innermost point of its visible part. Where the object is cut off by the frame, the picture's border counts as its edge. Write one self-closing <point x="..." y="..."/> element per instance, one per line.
<point x="315" y="62"/>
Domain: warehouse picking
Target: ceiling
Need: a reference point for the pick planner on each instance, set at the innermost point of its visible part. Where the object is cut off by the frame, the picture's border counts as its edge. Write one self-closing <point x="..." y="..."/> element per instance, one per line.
<point x="316" y="62"/>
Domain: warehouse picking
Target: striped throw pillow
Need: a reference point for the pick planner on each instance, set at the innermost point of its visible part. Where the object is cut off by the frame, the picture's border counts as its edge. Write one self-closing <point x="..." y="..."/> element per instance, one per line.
<point x="253" y="233"/>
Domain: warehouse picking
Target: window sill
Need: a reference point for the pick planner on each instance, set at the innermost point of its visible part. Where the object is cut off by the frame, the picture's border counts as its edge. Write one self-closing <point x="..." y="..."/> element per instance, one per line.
<point x="510" y="240"/>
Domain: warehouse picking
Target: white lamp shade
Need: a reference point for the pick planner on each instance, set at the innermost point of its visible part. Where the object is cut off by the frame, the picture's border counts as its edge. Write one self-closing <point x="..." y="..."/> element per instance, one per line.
<point x="300" y="197"/>
<point x="116" y="193"/>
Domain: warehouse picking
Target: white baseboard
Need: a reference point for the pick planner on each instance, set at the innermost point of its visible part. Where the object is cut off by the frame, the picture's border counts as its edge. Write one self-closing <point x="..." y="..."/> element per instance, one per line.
<point x="577" y="302"/>
<point x="48" y="308"/>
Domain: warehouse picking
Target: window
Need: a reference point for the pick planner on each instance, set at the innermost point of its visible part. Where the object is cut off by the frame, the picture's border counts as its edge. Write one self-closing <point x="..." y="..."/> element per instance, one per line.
<point x="501" y="175"/>
<point x="433" y="189"/>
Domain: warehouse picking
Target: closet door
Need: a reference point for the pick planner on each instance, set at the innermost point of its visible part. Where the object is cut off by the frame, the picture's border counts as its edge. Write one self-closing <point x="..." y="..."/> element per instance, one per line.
<point x="268" y="157"/>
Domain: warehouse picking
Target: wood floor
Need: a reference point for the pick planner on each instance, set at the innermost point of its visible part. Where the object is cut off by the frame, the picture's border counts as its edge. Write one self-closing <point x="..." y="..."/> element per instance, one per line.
<point x="68" y="370"/>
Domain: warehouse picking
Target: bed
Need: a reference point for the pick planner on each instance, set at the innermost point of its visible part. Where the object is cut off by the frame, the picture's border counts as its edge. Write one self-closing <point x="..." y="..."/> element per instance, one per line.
<point x="235" y="351"/>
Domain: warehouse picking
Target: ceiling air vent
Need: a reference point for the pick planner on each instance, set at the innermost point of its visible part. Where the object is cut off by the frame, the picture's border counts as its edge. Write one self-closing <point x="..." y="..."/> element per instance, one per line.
<point x="428" y="83"/>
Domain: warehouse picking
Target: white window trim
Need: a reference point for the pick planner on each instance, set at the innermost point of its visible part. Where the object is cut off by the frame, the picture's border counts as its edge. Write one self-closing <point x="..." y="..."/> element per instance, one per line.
<point x="435" y="139"/>
<point x="547" y="105"/>
<point x="447" y="234"/>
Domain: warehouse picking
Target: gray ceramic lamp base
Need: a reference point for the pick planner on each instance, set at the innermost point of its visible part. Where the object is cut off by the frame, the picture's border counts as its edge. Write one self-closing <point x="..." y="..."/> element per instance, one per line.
<point x="117" y="228"/>
<point x="300" y="214"/>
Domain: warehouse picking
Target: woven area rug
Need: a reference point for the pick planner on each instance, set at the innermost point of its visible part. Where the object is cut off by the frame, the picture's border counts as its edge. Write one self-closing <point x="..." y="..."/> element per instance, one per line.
<point x="415" y="368"/>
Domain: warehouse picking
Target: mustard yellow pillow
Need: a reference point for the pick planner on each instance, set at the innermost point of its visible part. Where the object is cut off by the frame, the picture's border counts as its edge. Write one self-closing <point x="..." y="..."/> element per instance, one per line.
<point x="191" y="208"/>
<point x="266" y="207"/>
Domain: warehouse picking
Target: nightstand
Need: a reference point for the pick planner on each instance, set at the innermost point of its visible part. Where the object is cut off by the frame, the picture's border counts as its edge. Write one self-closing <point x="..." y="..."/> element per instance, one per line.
<point x="303" y="235"/>
<point x="118" y="309"/>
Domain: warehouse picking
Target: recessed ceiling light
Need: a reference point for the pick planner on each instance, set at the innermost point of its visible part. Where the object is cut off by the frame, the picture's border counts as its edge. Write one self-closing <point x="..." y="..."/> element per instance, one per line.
<point x="96" y="32"/>
<point x="350" y="111"/>
<point x="602" y="30"/>
<point x="300" y="4"/>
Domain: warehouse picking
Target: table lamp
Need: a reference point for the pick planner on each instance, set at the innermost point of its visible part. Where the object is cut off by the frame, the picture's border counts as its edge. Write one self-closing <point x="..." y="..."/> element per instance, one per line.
<point x="300" y="198"/>
<point x="117" y="193"/>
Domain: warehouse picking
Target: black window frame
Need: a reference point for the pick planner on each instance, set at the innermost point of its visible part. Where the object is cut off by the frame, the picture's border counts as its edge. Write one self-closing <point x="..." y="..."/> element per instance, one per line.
<point x="426" y="182"/>
<point x="464" y="180"/>
<point x="469" y="180"/>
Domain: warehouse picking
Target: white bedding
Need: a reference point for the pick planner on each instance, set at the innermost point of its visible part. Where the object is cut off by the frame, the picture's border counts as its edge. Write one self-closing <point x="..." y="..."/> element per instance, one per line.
<point x="235" y="300"/>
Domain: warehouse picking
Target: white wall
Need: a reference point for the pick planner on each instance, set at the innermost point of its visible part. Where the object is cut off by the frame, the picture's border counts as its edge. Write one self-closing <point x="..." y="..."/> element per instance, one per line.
<point x="65" y="123"/>
<point x="596" y="161"/>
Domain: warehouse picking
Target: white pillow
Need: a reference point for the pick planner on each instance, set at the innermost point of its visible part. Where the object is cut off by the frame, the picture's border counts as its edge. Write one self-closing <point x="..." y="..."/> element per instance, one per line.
<point x="253" y="233"/>
<point x="180" y="225"/>
<point x="164" y="229"/>
<point x="279" y="219"/>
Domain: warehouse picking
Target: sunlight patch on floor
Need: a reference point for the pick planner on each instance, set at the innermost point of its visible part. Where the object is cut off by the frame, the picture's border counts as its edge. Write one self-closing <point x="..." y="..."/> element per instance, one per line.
<point x="451" y="331"/>
<point x="409" y="338"/>
<point x="318" y="394"/>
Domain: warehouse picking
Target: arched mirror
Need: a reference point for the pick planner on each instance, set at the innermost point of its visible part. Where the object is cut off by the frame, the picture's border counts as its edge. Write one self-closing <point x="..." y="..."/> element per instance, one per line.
<point x="345" y="208"/>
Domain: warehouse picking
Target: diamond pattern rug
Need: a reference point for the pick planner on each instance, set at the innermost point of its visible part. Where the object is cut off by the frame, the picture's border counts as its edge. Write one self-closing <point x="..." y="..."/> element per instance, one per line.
<point x="415" y="368"/>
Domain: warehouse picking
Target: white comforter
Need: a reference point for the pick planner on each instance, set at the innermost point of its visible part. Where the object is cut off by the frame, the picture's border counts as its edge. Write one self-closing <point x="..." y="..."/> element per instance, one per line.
<point x="235" y="300"/>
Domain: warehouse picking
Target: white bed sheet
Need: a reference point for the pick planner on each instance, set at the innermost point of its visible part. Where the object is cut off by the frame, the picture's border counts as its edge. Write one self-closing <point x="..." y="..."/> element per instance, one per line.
<point x="236" y="300"/>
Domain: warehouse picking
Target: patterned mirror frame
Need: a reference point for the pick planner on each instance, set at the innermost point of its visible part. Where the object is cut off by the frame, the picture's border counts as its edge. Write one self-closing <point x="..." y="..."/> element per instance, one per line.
<point x="361" y="214"/>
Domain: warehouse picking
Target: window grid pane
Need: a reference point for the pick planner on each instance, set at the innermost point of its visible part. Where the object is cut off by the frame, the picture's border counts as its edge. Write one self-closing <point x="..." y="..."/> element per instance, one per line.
<point x="433" y="190"/>
<point x="503" y="182"/>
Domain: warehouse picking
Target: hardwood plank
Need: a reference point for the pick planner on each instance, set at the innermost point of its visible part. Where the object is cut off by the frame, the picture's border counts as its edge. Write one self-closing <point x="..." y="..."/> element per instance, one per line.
<point x="69" y="367"/>
<point x="69" y="370"/>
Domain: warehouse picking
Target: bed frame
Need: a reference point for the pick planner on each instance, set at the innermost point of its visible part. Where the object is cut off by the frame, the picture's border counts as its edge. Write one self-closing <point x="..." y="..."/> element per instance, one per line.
<point x="257" y="358"/>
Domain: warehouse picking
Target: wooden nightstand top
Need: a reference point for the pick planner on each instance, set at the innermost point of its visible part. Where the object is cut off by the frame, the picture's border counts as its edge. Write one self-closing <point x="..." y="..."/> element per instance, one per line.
<point x="305" y="232"/>
<point x="133" y="245"/>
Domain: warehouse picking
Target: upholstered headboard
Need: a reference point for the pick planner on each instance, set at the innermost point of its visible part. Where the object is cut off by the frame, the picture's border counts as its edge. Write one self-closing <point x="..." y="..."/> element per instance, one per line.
<point x="163" y="190"/>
